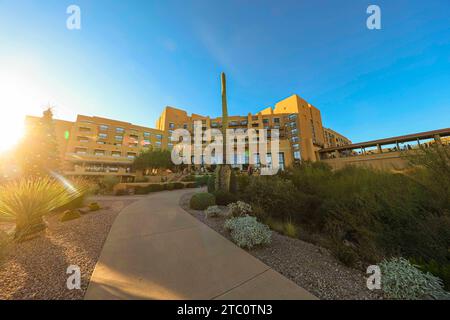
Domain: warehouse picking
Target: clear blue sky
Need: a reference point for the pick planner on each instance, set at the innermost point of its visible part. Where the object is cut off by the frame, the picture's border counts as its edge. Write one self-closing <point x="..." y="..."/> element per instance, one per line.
<point x="132" y="58"/>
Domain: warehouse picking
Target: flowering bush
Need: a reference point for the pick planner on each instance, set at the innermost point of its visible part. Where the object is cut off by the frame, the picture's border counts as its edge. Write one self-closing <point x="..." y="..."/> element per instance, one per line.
<point x="212" y="211"/>
<point x="240" y="208"/>
<point x="247" y="232"/>
<point x="401" y="280"/>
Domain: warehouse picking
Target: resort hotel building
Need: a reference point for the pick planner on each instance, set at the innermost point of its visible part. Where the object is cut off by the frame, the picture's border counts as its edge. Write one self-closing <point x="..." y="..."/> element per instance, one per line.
<point x="95" y="146"/>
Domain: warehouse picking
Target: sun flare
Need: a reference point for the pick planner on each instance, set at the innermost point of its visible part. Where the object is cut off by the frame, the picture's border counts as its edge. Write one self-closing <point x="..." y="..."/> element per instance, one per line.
<point x="19" y="94"/>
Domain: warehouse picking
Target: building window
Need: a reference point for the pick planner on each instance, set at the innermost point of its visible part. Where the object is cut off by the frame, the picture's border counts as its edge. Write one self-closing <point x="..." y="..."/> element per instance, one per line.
<point x="233" y="123"/>
<point x="254" y="118"/>
<point x="83" y="139"/>
<point x="297" y="155"/>
<point x="84" y="129"/>
<point x="80" y="150"/>
<point x="146" y="134"/>
<point x="101" y="142"/>
<point x="102" y="135"/>
<point x="171" y="125"/>
<point x="158" y="144"/>
<point x="313" y="130"/>
<point x="294" y="139"/>
<point x="118" y="138"/>
<point x="103" y="127"/>
<point x="294" y="131"/>
<point x="146" y="142"/>
<point x="170" y="145"/>
<point x="292" y="116"/>
<point x="120" y="130"/>
<point x="98" y="152"/>
<point x="116" y="154"/>
<point x="244" y="122"/>
<point x="296" y="146"/>
<point x="281" y="160"/>
<point x="131" y="155"/>
<point x="276" y="120"/>
<point x="159" y="136"/>
<point x="256" y="159"/>
<point x="265" y="121"/>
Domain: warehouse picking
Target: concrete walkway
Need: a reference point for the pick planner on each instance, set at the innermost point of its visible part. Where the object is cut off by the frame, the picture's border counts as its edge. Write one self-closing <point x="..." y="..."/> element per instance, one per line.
<point x="156" y="250"/>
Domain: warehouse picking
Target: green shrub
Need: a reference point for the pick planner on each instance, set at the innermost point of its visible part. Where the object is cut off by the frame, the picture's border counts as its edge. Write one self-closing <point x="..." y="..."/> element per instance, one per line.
<point x="109" y="182"/>
<point x="247" y="232"/>
<point x="346" y="255"/>
<point x="233" y="182"/>
<point x="213" y="211"/>
<point x="201" y="201"/>
<point x="433" y="171"/>
<point x="202" y="180"/>
<point x="94" y="206"/>
<point x="224" y="198"/>
<point x="275" y="224"/>
<point x="441" y="271"/>
<point x="70" y="215"/>
<point x="169" y="186"/>
<point x="401" y="280"/>
<point x="155" y="187"/>
<point x="141" y="190"/>
<point x="242" y="181"/>
<point x="191" y="185"/>
<point x="189" y="178"/>
<point x="239" y="208"/>
<point x="178" y="185"/>
<point x="122" y="192"/>
<point x="277" y="197"/>
<point x="212" y="183"/>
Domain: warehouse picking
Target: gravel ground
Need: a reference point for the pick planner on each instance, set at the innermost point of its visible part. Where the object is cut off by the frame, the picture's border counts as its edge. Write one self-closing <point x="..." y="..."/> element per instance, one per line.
<point x="310" y="266"/>
<point x="36" y="269"/>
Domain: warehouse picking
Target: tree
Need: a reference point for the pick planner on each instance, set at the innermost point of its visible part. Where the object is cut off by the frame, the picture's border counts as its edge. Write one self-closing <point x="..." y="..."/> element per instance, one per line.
<point x="153" y="159"/>
<point x="39" y="149"/>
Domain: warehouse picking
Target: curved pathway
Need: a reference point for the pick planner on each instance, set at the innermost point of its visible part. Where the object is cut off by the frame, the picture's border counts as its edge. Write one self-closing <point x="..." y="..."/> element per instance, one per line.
<point x="156" y="250"/>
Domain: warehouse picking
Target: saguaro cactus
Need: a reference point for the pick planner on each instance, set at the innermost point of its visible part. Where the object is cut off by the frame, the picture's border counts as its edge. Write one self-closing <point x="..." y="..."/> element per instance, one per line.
<point x="223" y="171"/>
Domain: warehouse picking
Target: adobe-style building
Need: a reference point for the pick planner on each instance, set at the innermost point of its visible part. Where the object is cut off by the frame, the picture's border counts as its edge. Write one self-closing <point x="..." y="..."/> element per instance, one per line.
<point x="94" y="146"/>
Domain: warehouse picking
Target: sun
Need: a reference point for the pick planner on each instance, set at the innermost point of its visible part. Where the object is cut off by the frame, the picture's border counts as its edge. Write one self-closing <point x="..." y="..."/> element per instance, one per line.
<point x="19" y="96"/>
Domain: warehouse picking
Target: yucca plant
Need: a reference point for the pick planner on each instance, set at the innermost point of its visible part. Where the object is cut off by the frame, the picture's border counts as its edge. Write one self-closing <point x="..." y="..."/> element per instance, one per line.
<point x="26" y="201"/>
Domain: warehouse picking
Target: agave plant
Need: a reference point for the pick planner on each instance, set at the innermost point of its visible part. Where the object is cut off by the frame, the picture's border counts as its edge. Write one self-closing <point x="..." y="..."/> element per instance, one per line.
<point x="26" y="201"/>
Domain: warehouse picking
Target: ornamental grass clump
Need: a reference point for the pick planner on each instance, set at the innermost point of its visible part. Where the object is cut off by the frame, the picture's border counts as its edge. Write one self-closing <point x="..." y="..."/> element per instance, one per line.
<point x="240" y="208"/>
<point x="247" y="232"/>
<point x="212" y="211"/>
<point x="401" y="280"/>
<point x="26" y="201"/>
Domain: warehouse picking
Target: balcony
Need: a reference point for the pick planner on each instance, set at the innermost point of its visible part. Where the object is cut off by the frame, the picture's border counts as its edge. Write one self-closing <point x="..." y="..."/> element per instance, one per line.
<point x="89" y="157"/>
<point x="99" y="171"/>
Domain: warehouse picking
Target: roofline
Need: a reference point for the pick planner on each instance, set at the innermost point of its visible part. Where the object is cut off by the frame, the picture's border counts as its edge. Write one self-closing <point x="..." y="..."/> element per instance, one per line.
<point x="405" y="138"/>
